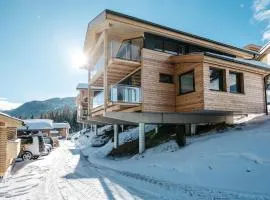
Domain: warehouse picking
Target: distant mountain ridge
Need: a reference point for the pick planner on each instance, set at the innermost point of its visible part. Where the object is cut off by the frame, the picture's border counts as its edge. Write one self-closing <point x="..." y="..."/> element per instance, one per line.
<point x="36" y="108"/>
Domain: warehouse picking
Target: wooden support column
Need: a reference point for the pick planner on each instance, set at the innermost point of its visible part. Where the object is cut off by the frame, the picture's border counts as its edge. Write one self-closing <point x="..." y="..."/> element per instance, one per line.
<point x="105" y="80"/>
<point x="141" y="137"/>
<point x="90" y="94"/>
<point x="116" y="136"/>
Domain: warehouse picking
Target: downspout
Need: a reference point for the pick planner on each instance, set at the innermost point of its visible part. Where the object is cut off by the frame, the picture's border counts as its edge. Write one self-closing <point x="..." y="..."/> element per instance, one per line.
<point x="265" y="90"/>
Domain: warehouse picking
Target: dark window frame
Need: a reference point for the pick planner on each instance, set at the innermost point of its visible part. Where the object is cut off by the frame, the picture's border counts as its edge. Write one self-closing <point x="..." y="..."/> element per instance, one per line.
<point x="239" y="81"/>
<point x="167" y="75"/>
<point x="193" y="82"/>
<point x="223" y="82"/>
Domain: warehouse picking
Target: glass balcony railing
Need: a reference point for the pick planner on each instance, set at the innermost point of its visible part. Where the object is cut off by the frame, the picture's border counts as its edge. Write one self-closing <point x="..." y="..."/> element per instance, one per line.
<point x="98" y="66"/>
<point x="128" y="49"/>
<point x="98" y="100"/>
<point x="125" y="93"/>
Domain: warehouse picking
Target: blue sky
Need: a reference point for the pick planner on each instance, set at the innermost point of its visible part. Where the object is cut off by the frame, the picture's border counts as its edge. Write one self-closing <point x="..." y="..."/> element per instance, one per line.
<point x="37" y="38"/>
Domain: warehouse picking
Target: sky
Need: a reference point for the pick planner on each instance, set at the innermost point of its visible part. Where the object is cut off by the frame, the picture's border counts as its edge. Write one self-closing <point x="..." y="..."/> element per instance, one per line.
<point x="38" y="39"/>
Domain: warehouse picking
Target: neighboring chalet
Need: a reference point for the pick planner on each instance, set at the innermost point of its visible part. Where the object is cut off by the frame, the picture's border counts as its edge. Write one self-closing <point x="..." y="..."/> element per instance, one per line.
<point x="62" y="128"/>
<point x="9" y="143"/>
<point x="141" y="72"/>
<point x="45" y="126"/>
<point x="37" y="125"/>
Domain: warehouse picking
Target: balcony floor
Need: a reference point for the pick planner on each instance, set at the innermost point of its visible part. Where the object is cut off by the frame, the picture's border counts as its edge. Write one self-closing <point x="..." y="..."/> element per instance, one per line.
<point x="117" y="107"/>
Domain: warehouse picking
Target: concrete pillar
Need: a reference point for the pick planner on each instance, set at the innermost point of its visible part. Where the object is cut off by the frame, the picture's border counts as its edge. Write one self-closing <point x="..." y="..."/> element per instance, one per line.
<point x="122" y="127"/>
<point x="156" y="129"/>
<point x="229" y="119"/>
<point x="141" y="137"/>
<point x="96" y="129"/>
<point x="180" y="135"/>
<point x="190" y="129"/>
<point x="187" y="129"/>
<point x="116" y="136"/>
<point x="193" y="128"/>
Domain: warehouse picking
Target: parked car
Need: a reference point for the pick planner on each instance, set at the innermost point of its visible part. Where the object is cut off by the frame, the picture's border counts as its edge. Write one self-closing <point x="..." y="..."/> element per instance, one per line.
<point x="48" y="140"/>
<point x="32" y="146"/>
<point x="98" y="141"/>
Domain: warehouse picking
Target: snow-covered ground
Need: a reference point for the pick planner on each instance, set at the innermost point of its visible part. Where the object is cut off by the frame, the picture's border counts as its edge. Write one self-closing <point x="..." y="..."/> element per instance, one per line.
<point x="237" y="160"/>
<point x="231" y="165"/>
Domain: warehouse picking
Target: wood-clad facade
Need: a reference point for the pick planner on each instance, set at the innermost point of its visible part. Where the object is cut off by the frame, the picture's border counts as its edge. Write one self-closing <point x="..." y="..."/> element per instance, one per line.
<point x="9" y="144"/>
<point x="157" y="96"/>
<point x="148" y="68"/>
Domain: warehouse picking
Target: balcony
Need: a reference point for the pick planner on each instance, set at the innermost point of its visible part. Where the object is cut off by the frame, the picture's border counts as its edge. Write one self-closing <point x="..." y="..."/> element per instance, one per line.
<point x="125" y="94"/>
<point x="98" y="99"/>
<point x="129" y="50"/>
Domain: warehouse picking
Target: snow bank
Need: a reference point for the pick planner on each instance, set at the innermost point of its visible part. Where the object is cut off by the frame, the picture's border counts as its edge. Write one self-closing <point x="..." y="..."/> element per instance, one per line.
<point x="86" y="140"/>
<point x="237" y="160"/>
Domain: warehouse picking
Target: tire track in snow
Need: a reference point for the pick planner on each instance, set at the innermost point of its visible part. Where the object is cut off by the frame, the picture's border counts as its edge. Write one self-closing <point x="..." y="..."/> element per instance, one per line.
<point x="196" y="192"/>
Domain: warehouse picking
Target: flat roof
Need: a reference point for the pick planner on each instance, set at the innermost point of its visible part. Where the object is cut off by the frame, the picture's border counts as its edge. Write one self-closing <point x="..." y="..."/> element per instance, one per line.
<point x="177" y="31"/>
<point x="82" y="86"/>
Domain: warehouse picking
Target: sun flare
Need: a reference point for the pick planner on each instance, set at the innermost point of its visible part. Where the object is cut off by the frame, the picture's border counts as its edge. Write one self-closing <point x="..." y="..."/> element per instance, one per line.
<point x="78" y="59"/>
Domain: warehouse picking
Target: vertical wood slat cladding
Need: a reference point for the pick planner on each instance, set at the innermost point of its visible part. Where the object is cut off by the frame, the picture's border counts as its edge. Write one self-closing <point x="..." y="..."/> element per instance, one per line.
<point x="193" y="101"/>
<point x="11" y="133"/>
<point x="157" y="97"/>
<point x="3" y="150"/>
<point x="252" y="101"/>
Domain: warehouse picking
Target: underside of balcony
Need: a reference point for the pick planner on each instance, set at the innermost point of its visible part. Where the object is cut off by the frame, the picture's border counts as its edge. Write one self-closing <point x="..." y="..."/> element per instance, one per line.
<point x="117" y="70"/>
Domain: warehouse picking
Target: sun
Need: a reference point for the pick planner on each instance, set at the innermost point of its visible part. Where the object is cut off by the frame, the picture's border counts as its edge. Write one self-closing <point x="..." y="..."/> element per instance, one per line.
<point x="78" y="59"/>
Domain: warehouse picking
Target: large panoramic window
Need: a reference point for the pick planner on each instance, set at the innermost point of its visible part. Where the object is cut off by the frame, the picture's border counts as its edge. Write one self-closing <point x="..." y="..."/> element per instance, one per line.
<point x="163" y="44"/>
<point x="236" y="82"/>
<point x="186" y="83"/>
<point x="217" y="79"/>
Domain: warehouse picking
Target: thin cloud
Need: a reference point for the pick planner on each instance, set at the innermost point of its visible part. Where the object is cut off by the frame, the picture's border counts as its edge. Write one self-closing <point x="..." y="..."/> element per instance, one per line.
<point x="7" y="105"/>
<point x="262" y="14"/>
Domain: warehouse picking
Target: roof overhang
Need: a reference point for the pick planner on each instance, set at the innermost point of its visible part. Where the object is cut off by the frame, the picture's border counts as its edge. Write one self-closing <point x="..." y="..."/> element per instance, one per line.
<point x="203" y="57"/>
<point x="8" y="121"/>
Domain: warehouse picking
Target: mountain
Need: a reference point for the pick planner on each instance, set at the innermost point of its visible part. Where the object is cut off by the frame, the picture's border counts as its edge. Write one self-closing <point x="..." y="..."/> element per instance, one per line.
<point x="35" y="108"/>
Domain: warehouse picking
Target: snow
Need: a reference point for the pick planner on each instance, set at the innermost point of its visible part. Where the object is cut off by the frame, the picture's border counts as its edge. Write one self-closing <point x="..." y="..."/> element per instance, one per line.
<point x="231" y="165"/>
<point x="237" y="160"/>
<point x="84" y="142"/>
<point x="37" y="124"/>
<point x="61" y="125"/>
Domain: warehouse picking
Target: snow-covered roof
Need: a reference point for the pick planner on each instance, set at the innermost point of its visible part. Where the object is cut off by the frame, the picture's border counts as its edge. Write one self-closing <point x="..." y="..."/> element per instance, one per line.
<point x="82" y="86"/>
<point x="37" y="124"/>
<point x="8" y="116"/>
<point x="61" y="125"/>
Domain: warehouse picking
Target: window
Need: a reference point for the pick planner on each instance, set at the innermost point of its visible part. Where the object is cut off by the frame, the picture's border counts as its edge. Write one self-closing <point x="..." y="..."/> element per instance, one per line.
<point x="217" y="79"/>
<point x="186" y="82"/>
<point x="165" y="78"/>
<point x="236" y="82"/>
<point x="163" y="44"/>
